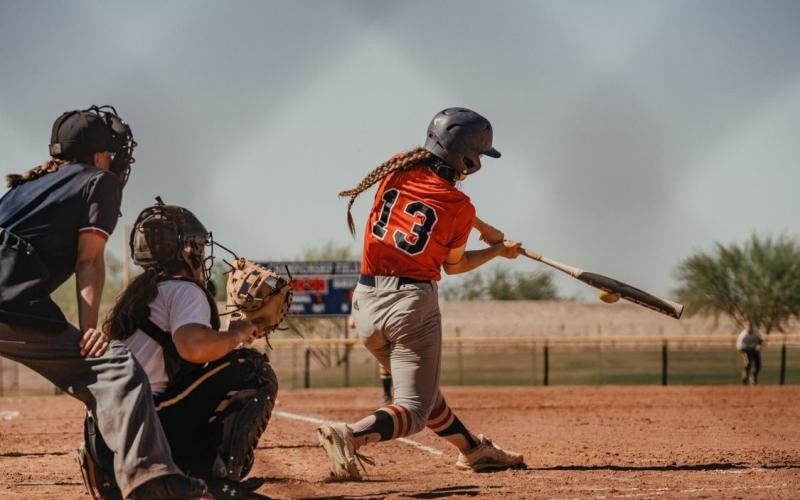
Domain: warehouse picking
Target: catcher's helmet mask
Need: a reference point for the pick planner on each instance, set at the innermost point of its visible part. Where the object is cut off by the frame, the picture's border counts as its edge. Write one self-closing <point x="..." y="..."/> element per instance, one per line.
<point x="459" y="136"/>
<point x="162" y="233"/>
<point x="96" y="129"/>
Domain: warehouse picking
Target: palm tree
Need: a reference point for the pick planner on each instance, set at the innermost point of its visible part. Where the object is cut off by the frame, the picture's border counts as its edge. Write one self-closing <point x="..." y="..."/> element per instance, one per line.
<point x="756" y="282"/>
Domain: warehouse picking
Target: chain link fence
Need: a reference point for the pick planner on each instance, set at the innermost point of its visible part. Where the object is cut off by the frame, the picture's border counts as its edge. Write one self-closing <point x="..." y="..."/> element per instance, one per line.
<point x="622" y="360"/>
<point x="708" y="360"/>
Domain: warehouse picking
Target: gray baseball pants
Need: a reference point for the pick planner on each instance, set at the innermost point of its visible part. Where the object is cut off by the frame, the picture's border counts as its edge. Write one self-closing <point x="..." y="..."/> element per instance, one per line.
<point x="113" y="387"/>
<point x="402" y="327"/>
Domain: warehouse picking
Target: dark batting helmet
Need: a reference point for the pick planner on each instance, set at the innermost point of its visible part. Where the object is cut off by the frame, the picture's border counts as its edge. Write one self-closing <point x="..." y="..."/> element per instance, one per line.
<point x="459" y="136"/>
<point x="79" y="133"/>
<point x="160" y="234"/>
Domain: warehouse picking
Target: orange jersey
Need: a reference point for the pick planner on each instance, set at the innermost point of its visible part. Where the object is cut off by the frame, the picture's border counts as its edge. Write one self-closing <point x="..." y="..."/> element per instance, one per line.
<point x="416" y="219"/>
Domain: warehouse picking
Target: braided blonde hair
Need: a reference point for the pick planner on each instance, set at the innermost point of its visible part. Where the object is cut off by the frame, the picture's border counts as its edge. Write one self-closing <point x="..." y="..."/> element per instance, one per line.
<point x="418" y="157"/>
<point x="48" y="167"/>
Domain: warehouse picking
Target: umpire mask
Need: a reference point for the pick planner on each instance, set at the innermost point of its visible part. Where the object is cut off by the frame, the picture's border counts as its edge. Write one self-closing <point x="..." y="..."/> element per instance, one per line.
<point x="79" y="133"/>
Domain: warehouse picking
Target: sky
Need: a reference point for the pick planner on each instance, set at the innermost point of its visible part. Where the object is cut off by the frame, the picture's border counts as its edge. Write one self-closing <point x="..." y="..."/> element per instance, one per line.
<point x="634" y="133"/>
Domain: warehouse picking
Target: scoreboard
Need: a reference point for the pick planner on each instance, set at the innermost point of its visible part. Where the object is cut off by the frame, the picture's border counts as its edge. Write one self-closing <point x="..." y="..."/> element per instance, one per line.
<point x="321" y="288"/>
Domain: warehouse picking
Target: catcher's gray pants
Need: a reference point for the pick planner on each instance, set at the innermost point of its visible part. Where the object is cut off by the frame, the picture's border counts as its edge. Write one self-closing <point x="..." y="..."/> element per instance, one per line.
<point x="402" y="327"/>
<point x="114" y="388"/>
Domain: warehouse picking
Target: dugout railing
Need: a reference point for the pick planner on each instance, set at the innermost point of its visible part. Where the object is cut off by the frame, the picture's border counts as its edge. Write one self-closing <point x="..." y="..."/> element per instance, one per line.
<point x="514" y="360"/>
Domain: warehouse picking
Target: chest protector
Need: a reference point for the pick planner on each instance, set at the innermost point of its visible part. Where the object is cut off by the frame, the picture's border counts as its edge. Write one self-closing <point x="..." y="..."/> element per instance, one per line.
<point x="173" y="362"/>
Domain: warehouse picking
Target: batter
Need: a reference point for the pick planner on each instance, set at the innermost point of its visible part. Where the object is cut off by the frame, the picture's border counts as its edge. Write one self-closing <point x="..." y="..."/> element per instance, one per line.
<point x="419" y="224"/>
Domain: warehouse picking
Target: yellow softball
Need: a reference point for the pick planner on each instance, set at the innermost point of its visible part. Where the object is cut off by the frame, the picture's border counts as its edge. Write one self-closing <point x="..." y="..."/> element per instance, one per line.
<point x="607" y="297"/>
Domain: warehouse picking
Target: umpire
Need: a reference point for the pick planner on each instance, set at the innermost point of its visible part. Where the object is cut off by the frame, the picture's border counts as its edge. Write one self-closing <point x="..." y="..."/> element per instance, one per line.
<point x="54" y="221"/>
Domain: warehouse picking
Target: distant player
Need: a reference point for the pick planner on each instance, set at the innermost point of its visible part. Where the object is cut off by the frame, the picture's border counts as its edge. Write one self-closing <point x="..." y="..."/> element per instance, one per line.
<point x="385" y="374"/>
<point x="419" y="224"/>
<point x="749" y="343"/>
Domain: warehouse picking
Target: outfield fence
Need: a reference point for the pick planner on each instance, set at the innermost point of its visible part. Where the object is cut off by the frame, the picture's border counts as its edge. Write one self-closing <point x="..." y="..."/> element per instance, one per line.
<point x="601" y="360"/>
<point x="623" y="360"/>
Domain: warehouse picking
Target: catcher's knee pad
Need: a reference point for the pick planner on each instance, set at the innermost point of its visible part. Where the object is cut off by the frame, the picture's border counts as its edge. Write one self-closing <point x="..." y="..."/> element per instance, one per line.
<point x="245" y="414"/>
<point x="255" y="370"/>
<point x="243" y="421"/>
<point x="97" y="464"/>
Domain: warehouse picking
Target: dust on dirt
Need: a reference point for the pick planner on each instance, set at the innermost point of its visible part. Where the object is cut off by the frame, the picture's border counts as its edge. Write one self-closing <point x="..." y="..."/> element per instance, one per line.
<point x="599" y="442"/>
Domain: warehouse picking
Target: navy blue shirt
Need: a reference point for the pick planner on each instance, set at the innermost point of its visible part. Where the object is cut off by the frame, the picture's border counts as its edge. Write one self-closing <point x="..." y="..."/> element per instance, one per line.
<point x="49" y="213"/>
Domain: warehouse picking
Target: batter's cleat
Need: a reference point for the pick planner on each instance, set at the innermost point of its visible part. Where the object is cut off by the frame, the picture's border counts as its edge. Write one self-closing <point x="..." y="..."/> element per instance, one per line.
<point x="488" y="456"/>
<point x="338" y="442"/>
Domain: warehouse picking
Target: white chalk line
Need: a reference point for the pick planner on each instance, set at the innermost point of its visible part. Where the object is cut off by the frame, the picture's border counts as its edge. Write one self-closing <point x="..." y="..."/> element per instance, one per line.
<point x="650" y="493"/>
<point x="9" y="415"/>
<point x="736" y="488"/>
<point x="318" y="421"/>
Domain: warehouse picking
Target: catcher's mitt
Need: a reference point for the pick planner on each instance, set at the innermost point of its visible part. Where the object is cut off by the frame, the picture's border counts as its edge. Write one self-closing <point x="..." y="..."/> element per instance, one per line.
<point x="258" y="294"/>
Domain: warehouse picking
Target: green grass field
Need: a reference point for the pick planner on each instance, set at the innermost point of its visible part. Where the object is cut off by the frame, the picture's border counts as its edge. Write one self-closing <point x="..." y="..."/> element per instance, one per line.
<point x="501" y="365"/>
<point x="568" y="366"/>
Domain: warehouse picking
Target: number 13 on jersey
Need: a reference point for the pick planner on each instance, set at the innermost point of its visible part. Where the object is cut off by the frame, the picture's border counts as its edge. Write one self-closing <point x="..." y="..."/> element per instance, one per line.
<point x="416" y="239"/>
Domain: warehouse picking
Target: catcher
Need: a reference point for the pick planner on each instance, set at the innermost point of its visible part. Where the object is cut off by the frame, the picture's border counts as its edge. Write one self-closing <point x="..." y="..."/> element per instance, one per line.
<point x="214" y="397"/>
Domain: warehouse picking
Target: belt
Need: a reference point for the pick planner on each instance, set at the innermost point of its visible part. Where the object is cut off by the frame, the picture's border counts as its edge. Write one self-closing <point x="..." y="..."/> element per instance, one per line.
<point x="369" y="280"/>
<point x="9" y="239"/>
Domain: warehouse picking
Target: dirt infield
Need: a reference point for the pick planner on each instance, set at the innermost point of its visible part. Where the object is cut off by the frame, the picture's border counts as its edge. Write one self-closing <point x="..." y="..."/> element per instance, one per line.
<point x="597" y="442"/>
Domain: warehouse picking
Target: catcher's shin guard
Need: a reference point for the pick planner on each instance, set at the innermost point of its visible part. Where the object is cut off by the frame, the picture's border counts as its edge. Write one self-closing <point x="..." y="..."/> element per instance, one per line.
<point x="243" y="421"/>
<point x="95" y="461"/>
<point x="244" y="416"/>
<point x="98" y="483"/>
